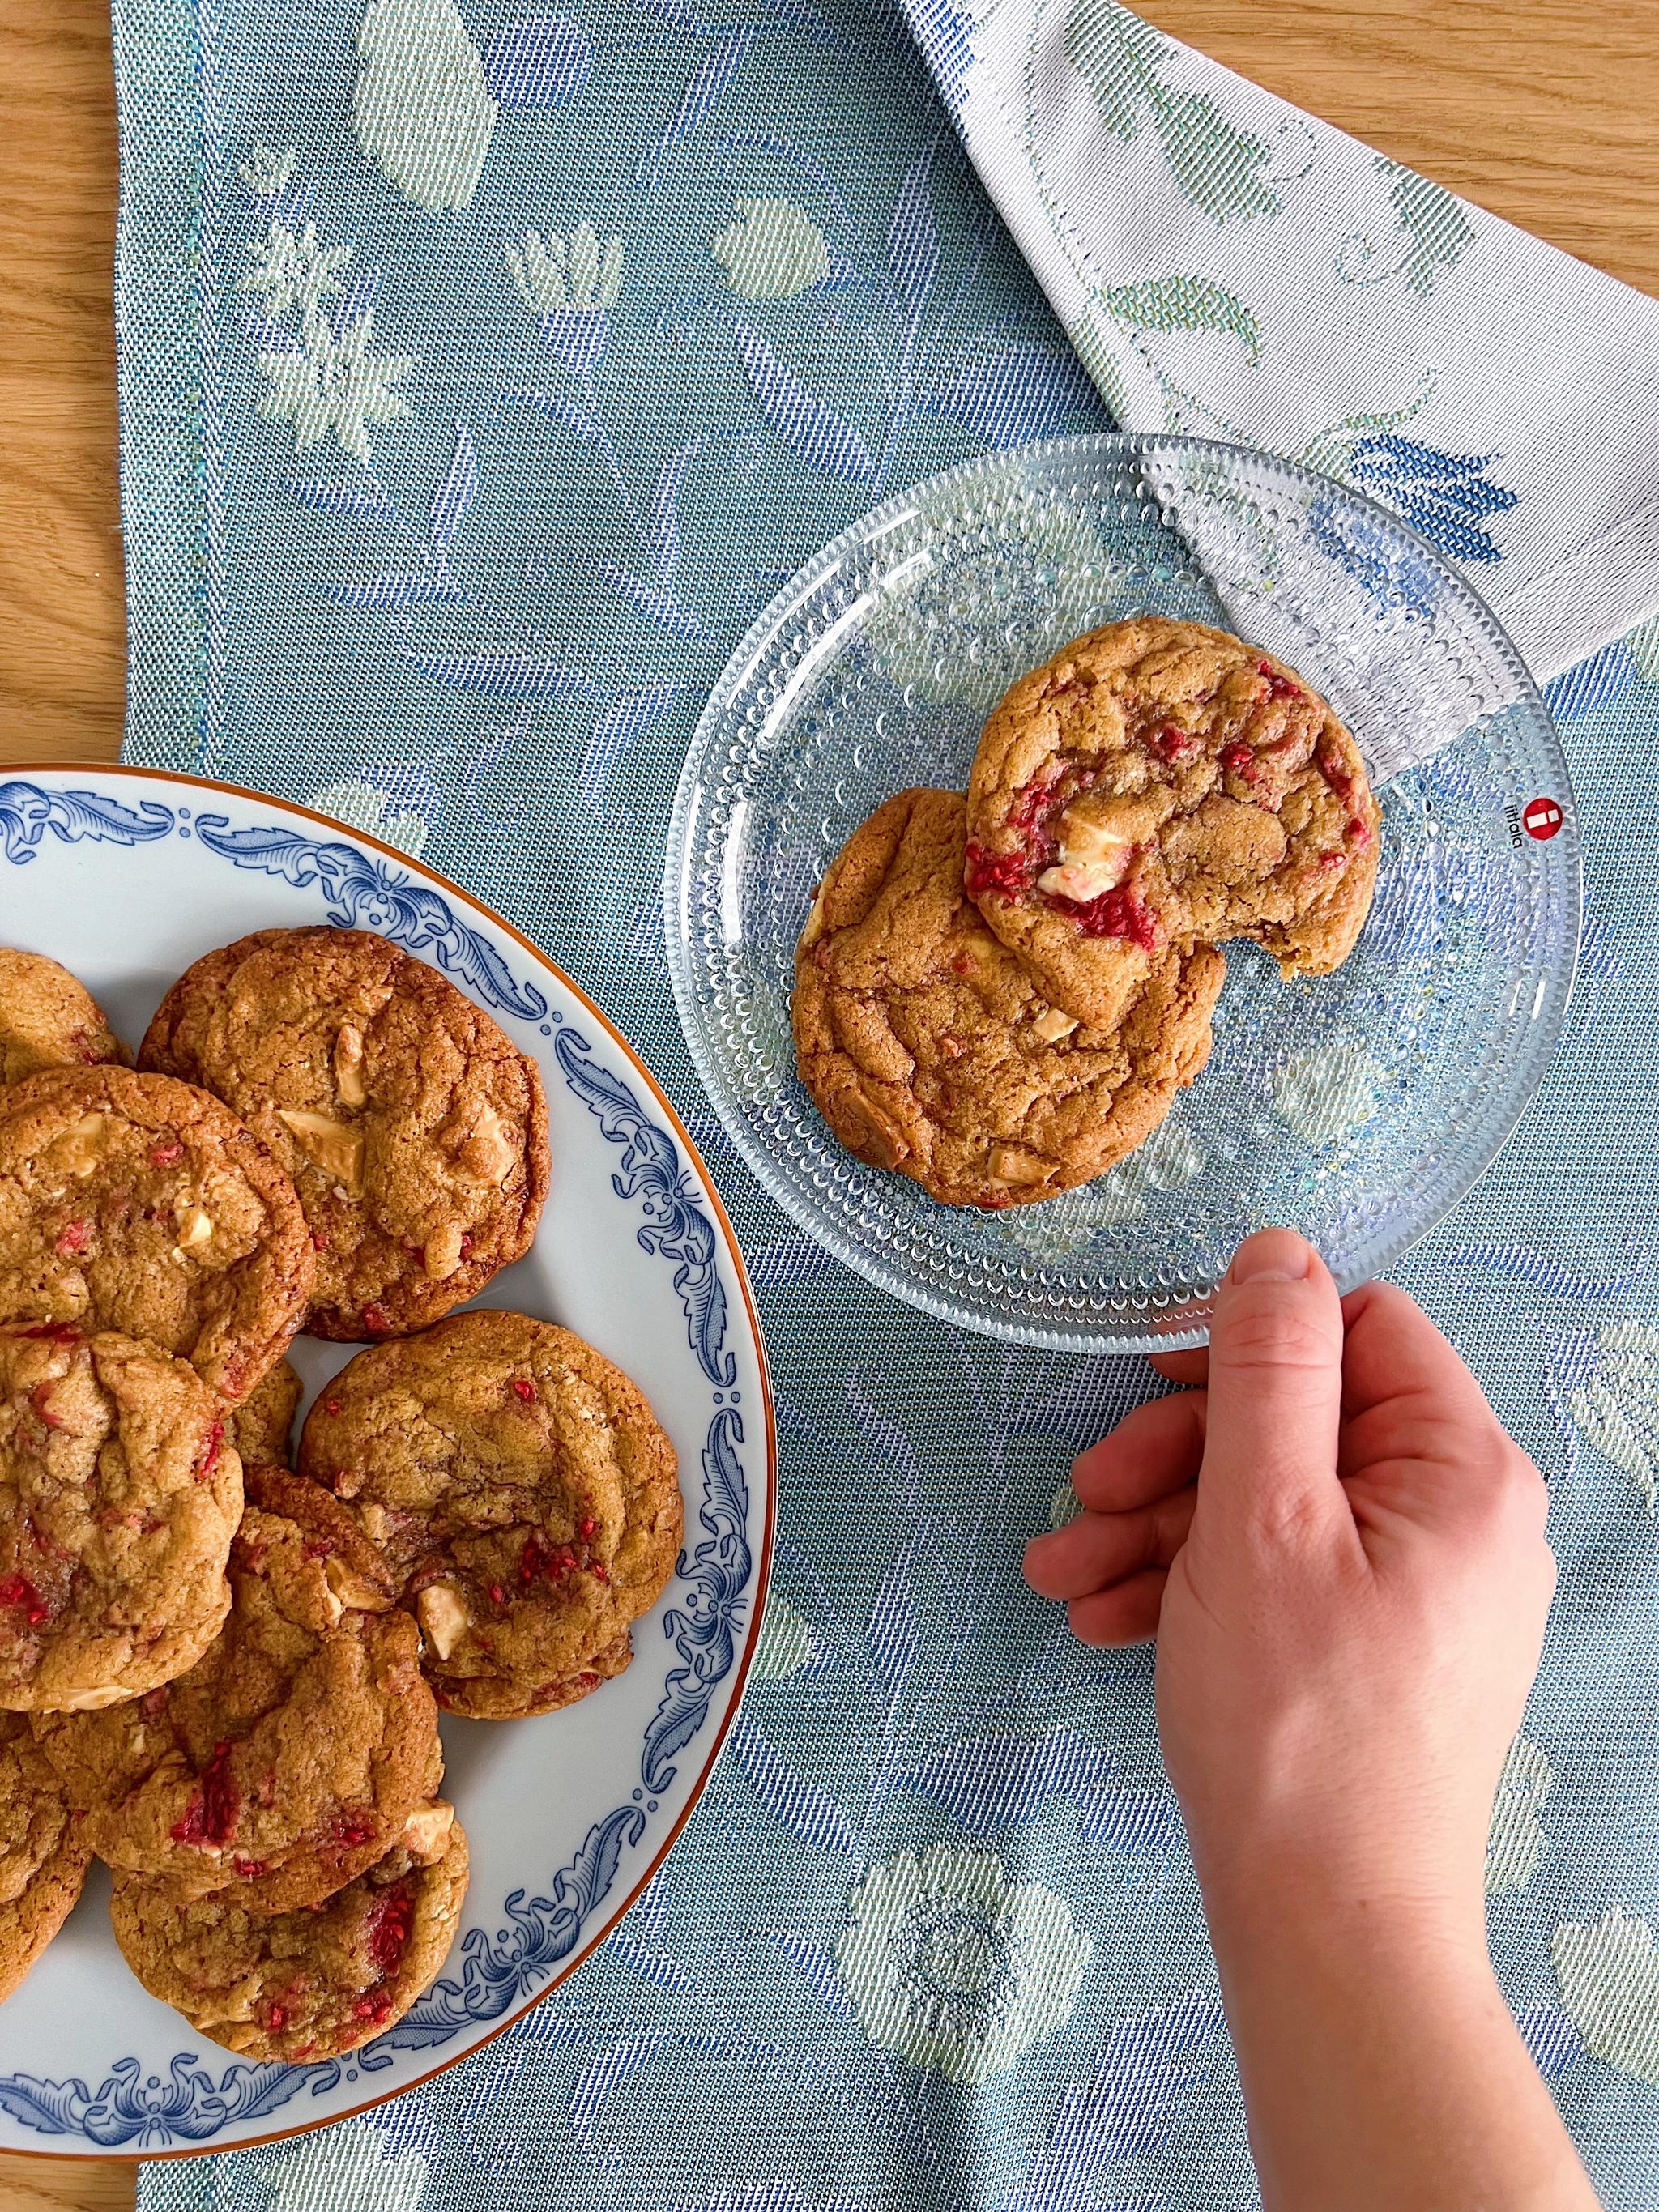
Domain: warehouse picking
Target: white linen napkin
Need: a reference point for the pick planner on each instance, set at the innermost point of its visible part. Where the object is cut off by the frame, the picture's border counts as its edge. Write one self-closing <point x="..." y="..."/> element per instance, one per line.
<point x="1229" y="266"/>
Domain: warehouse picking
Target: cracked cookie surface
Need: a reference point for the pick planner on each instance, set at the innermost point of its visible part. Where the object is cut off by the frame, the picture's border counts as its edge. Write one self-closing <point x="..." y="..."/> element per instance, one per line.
<point x="43" y="1855"/>
<point x="295" y="1754"/>
<point x="1156" y="785"/>
<point x="415" y="1131"/>
<point x="136" y="1203"/>
<point x="930" y="1047"/>
<point x="522" y="1494"/>
<point x="48" y="1019"/>
<point x="301" y="1985"/>
<point x="120" y="1490"/>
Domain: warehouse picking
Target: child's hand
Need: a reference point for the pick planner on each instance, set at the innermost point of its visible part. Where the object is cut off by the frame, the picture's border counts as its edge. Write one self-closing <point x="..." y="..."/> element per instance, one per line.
<point x="1343" y="1557"/>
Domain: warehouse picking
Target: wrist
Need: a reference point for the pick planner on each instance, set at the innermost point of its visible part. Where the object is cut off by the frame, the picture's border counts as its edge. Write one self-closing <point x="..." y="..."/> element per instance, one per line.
<point x="1303" y="1906"/>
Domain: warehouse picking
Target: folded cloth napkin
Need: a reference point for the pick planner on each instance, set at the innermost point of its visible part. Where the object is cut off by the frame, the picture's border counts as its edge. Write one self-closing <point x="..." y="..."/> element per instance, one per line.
<point x="485" y="364"/>
<point x="1229" y="266"/>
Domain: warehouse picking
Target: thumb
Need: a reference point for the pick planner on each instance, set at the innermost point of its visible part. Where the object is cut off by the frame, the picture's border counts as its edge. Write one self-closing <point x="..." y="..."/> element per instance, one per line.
<point x="1275" y="1386"/>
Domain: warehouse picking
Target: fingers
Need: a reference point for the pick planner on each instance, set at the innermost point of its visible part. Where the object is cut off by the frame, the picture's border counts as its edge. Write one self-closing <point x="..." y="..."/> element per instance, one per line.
<point x="1126" y="1613"/>
<point x="1098" y="1548"/>
<point x="1189" y="1368"/>
<point x="1275" y="1389"/>
<point x="1393" y="1348"/>
<point x="1152" y="1452"/>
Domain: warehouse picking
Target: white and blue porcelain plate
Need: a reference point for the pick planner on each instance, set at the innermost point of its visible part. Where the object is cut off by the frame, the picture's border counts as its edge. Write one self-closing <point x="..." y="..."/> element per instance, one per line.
<point x="126" y="877"/>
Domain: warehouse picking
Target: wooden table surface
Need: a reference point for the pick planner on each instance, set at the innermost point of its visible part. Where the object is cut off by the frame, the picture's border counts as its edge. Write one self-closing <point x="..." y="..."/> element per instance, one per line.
<point x="1542" y="110"/>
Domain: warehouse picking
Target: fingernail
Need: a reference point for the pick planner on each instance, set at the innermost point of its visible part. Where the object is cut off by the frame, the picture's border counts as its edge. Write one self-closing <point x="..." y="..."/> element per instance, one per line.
<point x="1273" y="1255"/>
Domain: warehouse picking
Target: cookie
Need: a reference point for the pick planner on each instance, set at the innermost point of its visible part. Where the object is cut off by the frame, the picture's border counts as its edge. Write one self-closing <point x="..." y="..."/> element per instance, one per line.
<point x="415" y="1131"/>
<point x="929" y="1047"/>
<point x="135" y="1203"/>
<point x="301" y="1985"/>
<point x="48" y="1019"/>
<point x="119" y="1493"/>
<point x="262" y="1427"/>
<point x="521" y="1492"/>
<point x="1157" y="784"/>
<point x="295" y="1753"/>
<point x="43" y="1855"/>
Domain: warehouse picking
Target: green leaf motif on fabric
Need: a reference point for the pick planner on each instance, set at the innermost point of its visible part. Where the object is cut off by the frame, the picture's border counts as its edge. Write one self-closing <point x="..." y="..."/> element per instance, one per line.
<point x="350" y="2168"/>
<point x="1644" y="650"/>
<point x="1515" y="1841"/>
<point x="773" y="250"/>
<point x="364" y="807"/>
<point x="423" y="109"/>
<point x="786" y="1643"/>
<point x="1608" y="1972"/>
<point x="1217" y="167"/>
<point x="1616" y="1408"/>
<point x="956" y="1967"/>
<point x="1432" y="220"/>
<point x="1184" y="303"/>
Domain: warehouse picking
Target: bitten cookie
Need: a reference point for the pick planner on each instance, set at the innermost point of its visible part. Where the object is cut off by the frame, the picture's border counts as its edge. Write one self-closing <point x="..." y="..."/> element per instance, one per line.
<point x="301" y="1985"/>
<point x="262" y="1427"/>
<point x="119" y="1493"/>
<point x="415" y="1131"/>
<point x="1157" y="784"/>
<point x="48" y="1019"/>
<point x="929" y="1047"/>
<point x="295" y="1753"/>
<point x="521" y="1493"/>
<point x="43" y="1857"/>
<point x="135" y="1203"/>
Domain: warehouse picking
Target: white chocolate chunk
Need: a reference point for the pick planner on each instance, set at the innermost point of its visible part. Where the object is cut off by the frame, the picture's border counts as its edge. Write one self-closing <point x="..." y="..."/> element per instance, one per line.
<point x="354" y="1590"/>
<point x="336" y="1147"/>
<point x="76" y="1149"/>
<point x="1051" y="1025"/>
<point x="1083" y="880"/>
<point x="443" y="1618"/>
<point x="349" y="1065"/>
<point x="426" y="1832"/>
<point x="442" y="1254"/>
<point x="483" y="1147"/>
<point x="195" y="1229"/>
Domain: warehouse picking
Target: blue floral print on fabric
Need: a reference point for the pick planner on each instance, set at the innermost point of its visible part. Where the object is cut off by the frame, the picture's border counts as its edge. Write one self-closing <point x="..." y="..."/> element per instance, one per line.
<point x="466" y="432"/>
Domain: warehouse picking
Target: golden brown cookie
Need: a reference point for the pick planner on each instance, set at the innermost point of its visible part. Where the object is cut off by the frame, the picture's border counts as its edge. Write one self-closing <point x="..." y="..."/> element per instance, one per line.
<point x="301" y="1985"/>
<point x="43" y="1855"/>
<point x="296" y="1751"/>
<point x="415" y="1131"/>
<point x="48" y="1019"/>
<point x="119" y="1493"/>
<point x="520" y="1490"/>
<point x="262" y="1427"/>
<point x="1157" y="784"/>
<point x="135" y="1203"/>
<point x="929" y="1047"/>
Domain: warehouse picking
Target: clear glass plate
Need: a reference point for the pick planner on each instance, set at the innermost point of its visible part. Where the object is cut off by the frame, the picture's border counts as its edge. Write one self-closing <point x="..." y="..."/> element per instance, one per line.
<point x="1359" y="1107"/>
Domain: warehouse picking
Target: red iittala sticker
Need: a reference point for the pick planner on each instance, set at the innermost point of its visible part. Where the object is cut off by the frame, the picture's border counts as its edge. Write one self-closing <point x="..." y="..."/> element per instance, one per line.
<point x="1542" y="818"/>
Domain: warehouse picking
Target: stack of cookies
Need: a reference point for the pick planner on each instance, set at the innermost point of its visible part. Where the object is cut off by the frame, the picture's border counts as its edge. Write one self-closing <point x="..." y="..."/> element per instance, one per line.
<point x="231" y="1671"/>
<point x="1000" y="996"/>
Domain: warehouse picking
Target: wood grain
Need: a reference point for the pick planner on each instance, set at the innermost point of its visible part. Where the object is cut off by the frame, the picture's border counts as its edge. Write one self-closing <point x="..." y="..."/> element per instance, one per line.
<point x="1540" y="110"/>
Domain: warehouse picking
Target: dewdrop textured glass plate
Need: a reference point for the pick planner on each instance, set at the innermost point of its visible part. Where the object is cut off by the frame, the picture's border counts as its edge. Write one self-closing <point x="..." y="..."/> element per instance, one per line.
<point x="1358" y="1107"/>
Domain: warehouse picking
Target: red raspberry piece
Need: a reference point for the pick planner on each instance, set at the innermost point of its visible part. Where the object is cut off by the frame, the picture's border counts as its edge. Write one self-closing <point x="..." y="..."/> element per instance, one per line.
<point x="332" y="1408"/>
<point x="319" y="1241"/>
<point x="376" y="2006"/>
<point x="1175" y="744"/>
<point x="1278" y="687"/>
<point x="524" y="1388"/>
<point x="1008" y="874"/>
<point x="72" y="1238"/>
<point x="377" y="1321"/>
<point x="164" y="1154"/>
<point x="52" y="1332"/>
<point x="1119" y="912"/>
<point x="586" y="1526"/>
<point x="351" y="1829"/>
<point x="276" y="2019"/>
<point x="250" y="1870"/>
<point x="389" y="1926"/>
<point x="216" y="1439"/>
<point x="599" y="1570"/>
<point x="214" y="1810"/>
<point x="41" y="1399"/>
<point x="154" y="1702"/>
<point x="18" y="1590"/>
<point x="497" y="1595"/>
